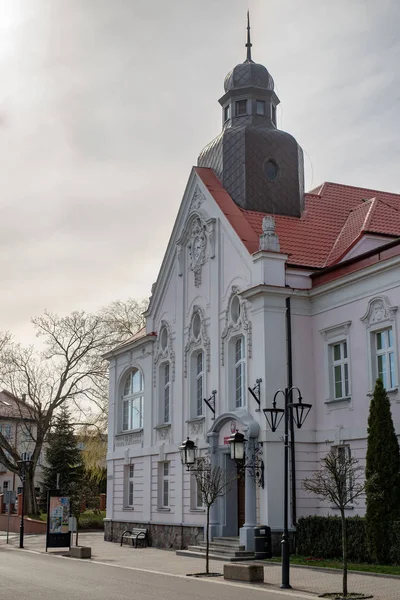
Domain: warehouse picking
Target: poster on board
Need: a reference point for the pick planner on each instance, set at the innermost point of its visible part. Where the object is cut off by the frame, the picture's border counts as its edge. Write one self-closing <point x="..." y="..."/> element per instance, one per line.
<point x="58" y="512"/>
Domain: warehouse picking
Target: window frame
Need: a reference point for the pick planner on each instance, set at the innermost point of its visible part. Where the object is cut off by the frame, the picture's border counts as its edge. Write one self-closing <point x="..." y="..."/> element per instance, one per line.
<point x="387" y="352"/>
<point x="239" y="103"/>
<point x="129" y="403"/>
<point x="227" y="113"/>
<point x="164" y="485"/>
<point x="239" y="364"/>
<point x="129" y="486"/>
<point x="198" y="376"/>
<point x="336" y="334"/>
<point x="262" y="104"/>
<point x="341" y="364"/>
<point x="165" y="394"/>
<point x="196" y="501"/>
<point x="346" y="449"/>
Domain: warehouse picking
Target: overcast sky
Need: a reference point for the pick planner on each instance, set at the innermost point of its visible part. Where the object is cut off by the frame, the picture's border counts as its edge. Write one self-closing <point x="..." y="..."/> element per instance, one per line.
<point x="105" y="105"/>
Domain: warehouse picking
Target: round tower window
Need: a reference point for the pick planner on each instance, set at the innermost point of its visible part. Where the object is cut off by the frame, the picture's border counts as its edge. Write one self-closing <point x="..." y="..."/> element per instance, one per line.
<point x="270" y="169"/>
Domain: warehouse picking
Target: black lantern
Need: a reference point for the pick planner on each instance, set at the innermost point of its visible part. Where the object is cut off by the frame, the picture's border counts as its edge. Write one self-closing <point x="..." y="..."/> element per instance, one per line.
<point x="188" y="452"/>
<point x="236" y="442"/>
<point x="300" y="411"/>
<point x="274" y="415"/>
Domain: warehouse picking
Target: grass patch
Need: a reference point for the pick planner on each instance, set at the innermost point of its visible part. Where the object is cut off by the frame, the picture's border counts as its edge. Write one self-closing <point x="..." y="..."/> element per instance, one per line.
<point x="337" y="564"/>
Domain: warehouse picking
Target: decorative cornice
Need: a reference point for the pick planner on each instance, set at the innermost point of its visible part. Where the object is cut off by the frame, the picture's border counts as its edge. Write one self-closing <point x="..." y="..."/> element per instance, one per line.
<point x="242" y="324"/>
<point x="335" y="330"/>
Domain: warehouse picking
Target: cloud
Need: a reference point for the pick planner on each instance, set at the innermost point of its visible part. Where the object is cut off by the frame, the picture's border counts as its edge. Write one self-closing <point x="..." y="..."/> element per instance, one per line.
<point x="105" y="107"/>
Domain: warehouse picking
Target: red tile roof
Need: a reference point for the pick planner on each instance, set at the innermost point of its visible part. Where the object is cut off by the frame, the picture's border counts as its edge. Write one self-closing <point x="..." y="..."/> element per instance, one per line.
<point x="335" y="217"/>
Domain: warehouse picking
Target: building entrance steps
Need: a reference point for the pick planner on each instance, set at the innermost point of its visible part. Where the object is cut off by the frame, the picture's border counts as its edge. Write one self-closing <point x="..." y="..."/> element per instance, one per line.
<point x="221" y="548"/>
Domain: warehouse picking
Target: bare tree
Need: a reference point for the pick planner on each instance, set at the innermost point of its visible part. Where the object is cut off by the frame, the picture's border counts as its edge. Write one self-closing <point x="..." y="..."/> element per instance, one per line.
<point x="69" y="367"/>
<point x="212" y="483"/>
<point x="340" y="480"/>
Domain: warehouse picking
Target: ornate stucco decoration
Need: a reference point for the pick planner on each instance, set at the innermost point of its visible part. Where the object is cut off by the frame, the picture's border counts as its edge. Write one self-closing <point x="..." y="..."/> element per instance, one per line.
<point x="163" y="433"/>
<point x="197" y="199"/>
<point x="163" y="353"/>
<point x="201" y="341"/>
<point x="196" y="427"/>
<point x="199" y="237"/>
<point x="379" y="310"/>
<point x="269" y="239"/>
<point x="197" y="248"/>
<point x="240" y="325"/>
<point x="128" y="439"/>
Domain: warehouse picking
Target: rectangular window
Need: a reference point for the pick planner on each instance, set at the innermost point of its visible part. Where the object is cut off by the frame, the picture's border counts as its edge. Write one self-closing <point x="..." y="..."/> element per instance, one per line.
<point x="5" y="486"/>
<point x="7" y="431"/>
<point x="340" y="370"/>
<point x="131" y="472"/>
<point x="166" y="396"/>
<point x="227" y="113"/>
<point x="199" y="383"/>
<point x="260" y="107"/>
<point x="241" y="108"/>
<point x="273" y="114"/>
<point x="385" y="357"/>
<point x="132" y="417"/>
<point x="164" y="485"/>
<point x="239" y="373"/>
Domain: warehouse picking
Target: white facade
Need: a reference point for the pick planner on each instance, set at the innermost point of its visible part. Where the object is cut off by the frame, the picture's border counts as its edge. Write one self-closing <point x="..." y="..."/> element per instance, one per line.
<point x="217" y="321"/>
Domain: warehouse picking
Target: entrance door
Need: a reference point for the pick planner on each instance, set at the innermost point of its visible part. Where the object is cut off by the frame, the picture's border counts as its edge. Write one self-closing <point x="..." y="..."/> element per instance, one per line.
<point x="240" y="501"/>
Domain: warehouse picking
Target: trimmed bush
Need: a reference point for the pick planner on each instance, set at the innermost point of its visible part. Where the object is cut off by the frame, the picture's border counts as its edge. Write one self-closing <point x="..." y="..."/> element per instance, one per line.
<point x="321" y="537"/>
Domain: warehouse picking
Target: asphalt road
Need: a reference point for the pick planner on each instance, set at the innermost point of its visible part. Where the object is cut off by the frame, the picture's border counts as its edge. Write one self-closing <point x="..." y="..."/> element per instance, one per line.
<point x="29" y="576"/>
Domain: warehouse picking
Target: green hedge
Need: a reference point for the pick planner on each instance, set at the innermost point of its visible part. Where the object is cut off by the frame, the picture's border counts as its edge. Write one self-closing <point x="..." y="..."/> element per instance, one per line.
<point x="321" y="537"/>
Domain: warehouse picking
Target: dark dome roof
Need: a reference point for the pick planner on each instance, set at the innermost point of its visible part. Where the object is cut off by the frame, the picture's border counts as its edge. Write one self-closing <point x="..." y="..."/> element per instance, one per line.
<point x="248" y="74"/>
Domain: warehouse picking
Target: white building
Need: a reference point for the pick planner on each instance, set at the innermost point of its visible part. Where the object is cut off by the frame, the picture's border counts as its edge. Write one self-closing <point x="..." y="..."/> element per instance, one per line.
<point x="218" y="318"/>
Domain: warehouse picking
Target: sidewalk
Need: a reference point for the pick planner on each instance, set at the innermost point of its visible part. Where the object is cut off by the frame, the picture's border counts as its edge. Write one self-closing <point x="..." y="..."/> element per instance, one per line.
<point x="308" y="580"/>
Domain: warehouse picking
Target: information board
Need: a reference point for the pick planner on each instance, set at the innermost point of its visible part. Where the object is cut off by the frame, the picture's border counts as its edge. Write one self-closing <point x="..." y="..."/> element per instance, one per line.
<point x="58" y="534"/>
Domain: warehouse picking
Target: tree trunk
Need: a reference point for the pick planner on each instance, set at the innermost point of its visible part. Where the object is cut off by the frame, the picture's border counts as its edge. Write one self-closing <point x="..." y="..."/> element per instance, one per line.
<point x="344" y="548"/>
<point x="30" y="503"/>
<point x="208" y="540"/>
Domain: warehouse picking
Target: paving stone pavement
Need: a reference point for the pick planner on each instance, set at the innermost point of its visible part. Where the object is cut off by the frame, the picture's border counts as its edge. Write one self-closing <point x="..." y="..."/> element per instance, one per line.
<point x="308" y="580"/>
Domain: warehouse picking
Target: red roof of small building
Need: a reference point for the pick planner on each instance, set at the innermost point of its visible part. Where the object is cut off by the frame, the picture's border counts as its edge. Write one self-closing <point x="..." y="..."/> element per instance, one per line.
<point x="335" y="217"/>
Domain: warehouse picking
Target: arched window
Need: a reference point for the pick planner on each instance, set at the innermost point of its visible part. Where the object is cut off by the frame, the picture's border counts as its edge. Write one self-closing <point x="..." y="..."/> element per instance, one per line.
<point x="132" y="401"/>
<point x="199" y="383"/>
<point x="239" y="372"/>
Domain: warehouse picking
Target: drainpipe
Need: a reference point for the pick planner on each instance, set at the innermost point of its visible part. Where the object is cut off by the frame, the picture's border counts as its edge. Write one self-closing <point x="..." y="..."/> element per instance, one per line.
<point x="291" y="424"/>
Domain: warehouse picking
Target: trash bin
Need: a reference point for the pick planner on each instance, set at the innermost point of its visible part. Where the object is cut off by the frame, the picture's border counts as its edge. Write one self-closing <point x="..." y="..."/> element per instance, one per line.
<point x="262" y="542"/>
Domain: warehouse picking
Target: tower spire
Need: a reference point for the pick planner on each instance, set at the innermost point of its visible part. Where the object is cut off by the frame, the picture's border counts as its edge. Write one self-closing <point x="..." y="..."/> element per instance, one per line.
<point x="248" y="44"/>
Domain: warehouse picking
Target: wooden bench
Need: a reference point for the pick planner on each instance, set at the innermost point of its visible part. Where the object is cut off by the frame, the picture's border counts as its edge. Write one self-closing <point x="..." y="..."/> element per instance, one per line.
<point x="136" y="534"/>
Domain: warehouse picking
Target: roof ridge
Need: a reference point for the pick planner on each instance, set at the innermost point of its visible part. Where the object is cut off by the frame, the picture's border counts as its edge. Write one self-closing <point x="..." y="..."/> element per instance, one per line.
<point x="356" y="187"/>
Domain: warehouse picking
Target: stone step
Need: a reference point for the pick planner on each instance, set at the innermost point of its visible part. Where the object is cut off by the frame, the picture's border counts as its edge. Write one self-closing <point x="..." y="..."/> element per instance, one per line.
<point x="224" y="545"/>
<point x="226" y="539"/>
<point x="221" y="551"/>
<point x="192" y="554"/>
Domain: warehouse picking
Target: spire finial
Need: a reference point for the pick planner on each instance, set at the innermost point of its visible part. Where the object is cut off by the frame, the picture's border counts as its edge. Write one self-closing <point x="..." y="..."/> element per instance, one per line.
<point x="249" y="44"/>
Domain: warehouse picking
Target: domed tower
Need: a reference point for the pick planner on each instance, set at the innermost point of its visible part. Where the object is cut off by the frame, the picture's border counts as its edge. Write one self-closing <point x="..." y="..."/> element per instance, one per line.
<point x="260" y="166"/>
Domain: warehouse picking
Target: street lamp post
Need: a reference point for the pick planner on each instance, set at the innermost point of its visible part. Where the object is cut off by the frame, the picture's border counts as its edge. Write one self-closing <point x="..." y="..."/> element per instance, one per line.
<point x="23" y="467"/>
<point x="299" y="412"/>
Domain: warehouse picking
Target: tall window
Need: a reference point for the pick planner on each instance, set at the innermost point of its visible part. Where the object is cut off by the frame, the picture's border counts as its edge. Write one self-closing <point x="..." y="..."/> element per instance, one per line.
<point x="130" y="473"/>
<point x="239" y="372"/>
<point x="227" y="112"/>
<point x="260" y="107"/>
<point x="7" y="431"/>
<point x="132" y="401"/>
<point x="166" y="392"/>
<point x="385" y="357"/>
<point x="199" y="383"/>
<point x="196" y="495"/>
<point x="340" y="370"/>
<point x="164" y="474"/>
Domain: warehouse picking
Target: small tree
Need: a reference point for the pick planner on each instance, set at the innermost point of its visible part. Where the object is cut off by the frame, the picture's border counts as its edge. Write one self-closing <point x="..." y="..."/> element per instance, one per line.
<point x="63" y="457"/>
<point x="382" y="475"/>
<point x="212" y="483"/>
<point x="339" y="480"/>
